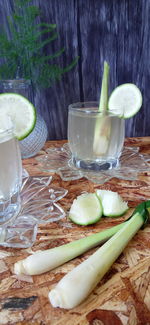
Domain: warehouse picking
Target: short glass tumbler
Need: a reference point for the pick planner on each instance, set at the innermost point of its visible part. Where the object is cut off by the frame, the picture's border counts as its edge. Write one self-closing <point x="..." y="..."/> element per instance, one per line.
<point x="10" y="176"/>
<point x="95" y="138"/>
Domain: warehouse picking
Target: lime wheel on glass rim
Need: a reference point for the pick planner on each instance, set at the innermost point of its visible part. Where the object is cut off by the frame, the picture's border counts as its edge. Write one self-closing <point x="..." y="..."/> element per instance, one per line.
<point x="126" y="99"/>
<point x="21" y="112"/>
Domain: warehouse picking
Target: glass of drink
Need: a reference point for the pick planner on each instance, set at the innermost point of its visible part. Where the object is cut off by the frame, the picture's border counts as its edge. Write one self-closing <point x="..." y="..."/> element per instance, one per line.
<point x="10" y="175"/>
<point x="95" y="138"/>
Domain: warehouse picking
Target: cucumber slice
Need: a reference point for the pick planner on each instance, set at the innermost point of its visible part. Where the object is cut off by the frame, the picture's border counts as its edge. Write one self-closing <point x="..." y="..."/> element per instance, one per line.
<point x="21" y="112"/>
<point x="125" y="100"/>
<point x="112" y="203"/>
<point x="86" y="209"/>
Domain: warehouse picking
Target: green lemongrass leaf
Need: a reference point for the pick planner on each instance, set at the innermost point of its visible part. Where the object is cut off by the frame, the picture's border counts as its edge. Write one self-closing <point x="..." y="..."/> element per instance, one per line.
<point x="103" y="103"/>
<point x="148" y="205"/>
<point x="144" y="210"/>
<point x="103" y="122"/>
<point x="49" y="259"/>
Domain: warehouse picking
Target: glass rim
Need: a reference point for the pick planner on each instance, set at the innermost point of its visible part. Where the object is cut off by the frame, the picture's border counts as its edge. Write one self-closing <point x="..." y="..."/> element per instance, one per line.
<point x="15" y="84"/>
<point x="86" y="108"/>
<point x="82" y="104"/>
<point x="15" y="81"/>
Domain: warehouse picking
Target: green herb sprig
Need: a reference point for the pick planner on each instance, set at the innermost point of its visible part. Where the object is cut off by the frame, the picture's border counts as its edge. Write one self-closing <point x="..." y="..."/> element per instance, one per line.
<point x="22" y="54"/>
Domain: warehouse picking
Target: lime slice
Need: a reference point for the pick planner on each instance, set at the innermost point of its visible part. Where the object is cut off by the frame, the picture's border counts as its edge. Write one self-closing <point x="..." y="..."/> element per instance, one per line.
<point x="112" y="203"/>
<point x="126" y="99"/>
<point x="21" y="112"/>
<point x="86" y="209"/>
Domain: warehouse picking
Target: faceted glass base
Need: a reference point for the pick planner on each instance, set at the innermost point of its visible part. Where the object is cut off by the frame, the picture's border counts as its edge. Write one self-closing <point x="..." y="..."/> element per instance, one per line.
<point x="96" y="165"/>
<point x="60" y="161"/>
<point x="9" y="209"/>
<point x="38" y="205"/>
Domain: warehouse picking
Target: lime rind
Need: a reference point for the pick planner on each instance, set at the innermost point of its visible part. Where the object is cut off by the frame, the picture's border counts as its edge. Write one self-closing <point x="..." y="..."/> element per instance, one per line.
<point x="86" y="209"/>
<point x="21" y="111"/>
<point x="112" y="203"/>
<point x="126" y="99"/>
<point x="31" y="129"/>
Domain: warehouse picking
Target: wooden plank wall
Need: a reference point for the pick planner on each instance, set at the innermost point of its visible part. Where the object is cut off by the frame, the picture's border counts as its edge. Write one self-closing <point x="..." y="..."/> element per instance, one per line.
<point x="96" y="30"/>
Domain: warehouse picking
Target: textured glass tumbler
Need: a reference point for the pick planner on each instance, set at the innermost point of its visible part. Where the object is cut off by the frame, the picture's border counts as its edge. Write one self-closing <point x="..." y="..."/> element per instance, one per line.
<point x="95" y="138"/>
<point x="37" y="138"/>
<point x="10" y="176"/>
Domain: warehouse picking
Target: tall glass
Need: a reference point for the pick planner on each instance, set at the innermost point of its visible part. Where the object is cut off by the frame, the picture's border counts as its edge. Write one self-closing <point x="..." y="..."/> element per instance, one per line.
<point x="36" y="139"/>
<point x="95" y="138"/>
<point x="10" y="176"/>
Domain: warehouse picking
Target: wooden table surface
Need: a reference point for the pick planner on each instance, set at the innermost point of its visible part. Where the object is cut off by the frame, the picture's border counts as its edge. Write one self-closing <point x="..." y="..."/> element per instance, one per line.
<point x="121" y="297"/>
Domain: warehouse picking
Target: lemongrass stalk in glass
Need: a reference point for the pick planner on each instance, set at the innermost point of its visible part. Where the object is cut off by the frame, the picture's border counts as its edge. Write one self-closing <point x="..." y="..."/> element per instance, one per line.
<point x="75" y="286"/>
<point x="103" y="125"/>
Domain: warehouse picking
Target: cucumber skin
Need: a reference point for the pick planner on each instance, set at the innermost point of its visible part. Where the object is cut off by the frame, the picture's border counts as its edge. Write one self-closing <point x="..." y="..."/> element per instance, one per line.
<point x="116" y="215"/>
<point x="91" y="221"/>
<point x="86" y="223"/>
<point x="99" y="217"/>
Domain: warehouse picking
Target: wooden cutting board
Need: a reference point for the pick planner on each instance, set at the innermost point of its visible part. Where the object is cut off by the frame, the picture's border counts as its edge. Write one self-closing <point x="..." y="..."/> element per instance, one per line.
<point x="121" y="298"/>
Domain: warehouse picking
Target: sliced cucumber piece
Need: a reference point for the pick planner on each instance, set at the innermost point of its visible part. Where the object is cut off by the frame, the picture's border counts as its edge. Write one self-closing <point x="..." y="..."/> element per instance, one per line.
<point x="86" y="209"/>
<point x="112" y="203"/>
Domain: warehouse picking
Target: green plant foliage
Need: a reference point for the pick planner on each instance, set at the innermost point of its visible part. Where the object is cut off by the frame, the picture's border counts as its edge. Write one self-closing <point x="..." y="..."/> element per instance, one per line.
<point x="23" y="54"/>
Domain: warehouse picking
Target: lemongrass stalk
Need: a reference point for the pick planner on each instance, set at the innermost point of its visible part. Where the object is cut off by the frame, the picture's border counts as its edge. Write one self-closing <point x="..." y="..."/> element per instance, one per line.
<point x="103" y="103"/>
<point x="75" y="286"/>
<point x="49" y="259"/>
<point x="103" y="122"/>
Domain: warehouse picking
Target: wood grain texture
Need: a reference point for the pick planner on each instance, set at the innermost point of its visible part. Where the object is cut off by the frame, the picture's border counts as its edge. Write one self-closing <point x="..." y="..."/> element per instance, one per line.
<point x="121" y="298"/>
<point x="97" y="30"/>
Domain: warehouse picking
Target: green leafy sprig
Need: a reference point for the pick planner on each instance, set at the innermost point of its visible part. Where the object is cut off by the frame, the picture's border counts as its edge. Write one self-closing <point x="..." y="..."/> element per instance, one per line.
<point x="23" y="54"/>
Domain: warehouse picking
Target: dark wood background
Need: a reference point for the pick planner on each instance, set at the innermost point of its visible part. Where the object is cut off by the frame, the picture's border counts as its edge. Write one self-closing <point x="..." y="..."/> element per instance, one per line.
<point x="96" y="30"/>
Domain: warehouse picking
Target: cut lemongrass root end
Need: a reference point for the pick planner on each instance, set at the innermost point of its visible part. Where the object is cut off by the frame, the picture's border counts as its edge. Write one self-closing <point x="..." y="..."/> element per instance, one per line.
<point x="19" y="268"/>
<point x="41" y="262"/>
<point x="75" y="286"/>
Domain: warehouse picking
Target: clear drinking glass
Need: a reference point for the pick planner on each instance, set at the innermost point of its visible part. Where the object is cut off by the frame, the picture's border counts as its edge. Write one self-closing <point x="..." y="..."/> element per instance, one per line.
<point x="95" y="138"/>
<point x="10" y="176"/>
<point x="34" y="142"/>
